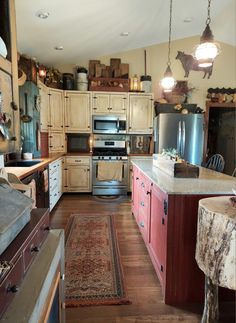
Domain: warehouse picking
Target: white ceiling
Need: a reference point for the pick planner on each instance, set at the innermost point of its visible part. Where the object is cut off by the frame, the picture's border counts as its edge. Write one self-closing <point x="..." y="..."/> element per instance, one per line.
<point x="88" y="29"/>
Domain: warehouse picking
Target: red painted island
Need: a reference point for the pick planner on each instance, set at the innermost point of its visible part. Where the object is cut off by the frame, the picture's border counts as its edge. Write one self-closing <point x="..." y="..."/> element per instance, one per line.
<point x="166" y="211"/>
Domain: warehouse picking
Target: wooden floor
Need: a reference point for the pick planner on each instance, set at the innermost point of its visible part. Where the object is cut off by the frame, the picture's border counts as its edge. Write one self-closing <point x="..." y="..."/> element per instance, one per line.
<point x="142" y="285"/>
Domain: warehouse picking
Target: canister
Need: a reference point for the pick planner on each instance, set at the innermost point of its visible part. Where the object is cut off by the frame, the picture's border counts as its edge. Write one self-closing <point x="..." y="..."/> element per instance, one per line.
<point x="146" y="83"/>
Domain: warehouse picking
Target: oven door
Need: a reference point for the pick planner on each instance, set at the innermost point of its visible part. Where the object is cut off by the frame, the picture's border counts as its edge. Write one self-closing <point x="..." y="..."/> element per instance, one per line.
<point x="110" y="187"/>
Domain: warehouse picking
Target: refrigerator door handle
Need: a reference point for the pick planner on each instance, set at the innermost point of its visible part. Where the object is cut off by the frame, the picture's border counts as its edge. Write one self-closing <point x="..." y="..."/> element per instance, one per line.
<point x="179" y="138"/>
<point x="183" y="138"/>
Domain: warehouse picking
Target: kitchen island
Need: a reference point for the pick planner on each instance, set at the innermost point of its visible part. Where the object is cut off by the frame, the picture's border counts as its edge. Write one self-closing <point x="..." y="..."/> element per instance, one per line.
<point x="166" y="211"/>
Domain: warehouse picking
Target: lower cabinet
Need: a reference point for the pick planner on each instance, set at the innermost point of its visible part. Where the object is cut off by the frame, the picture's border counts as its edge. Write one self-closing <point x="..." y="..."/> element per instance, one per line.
<point x="149" y="206"/>
<point x="77" y="174"/>
<point x="55" y="182"/>
<point x="158" y="232"/>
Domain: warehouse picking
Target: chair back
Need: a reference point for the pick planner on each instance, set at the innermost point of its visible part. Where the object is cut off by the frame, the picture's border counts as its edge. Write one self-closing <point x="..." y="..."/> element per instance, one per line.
<point x="216" y="162"/>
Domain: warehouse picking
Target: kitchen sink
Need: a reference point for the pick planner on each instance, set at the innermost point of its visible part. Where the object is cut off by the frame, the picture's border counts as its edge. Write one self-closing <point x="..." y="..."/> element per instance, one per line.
<point x="22" y="163"/>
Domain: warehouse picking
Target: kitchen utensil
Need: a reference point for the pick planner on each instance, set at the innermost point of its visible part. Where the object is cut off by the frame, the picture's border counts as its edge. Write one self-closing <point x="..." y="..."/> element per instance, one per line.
<point x="26" y="117"/>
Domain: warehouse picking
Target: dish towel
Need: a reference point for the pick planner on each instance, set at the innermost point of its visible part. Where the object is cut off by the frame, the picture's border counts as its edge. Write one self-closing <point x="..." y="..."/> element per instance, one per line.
<point x="110" y="171"/>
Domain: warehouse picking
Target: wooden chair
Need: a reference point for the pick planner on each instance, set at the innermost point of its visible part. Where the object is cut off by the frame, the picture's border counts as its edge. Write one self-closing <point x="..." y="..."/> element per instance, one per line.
<point x="216" y="162"/>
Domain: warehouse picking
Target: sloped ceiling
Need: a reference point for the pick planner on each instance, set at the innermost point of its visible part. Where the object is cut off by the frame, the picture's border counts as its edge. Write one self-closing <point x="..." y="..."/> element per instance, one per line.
<point x="88" y="29"/>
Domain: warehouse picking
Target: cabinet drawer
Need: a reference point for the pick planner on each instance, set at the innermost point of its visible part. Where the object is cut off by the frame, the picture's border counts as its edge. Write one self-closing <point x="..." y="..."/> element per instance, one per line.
<point x="10" y="284"/>
<point x="53" y="166"/>
<point x="30" y="251"/>
<point x="79" y="160"/>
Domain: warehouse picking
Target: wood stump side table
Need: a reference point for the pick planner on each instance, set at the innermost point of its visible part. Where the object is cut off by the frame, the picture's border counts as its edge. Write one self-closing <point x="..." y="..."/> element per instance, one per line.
<point x="216" y="250"/>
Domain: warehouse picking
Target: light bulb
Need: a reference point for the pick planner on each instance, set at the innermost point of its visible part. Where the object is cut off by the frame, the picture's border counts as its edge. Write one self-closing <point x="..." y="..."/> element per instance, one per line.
<point x="168" y="83"/>
<point x="206" y="53"/>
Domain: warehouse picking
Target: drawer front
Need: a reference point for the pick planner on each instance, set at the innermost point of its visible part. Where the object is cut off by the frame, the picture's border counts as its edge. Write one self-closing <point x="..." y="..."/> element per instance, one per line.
<point x="30" y="251"/>
<point x="52" y="167"/>
<point x="43" y="229"/>
<point x="79" y="160"/>
<point x="10" y="285"/>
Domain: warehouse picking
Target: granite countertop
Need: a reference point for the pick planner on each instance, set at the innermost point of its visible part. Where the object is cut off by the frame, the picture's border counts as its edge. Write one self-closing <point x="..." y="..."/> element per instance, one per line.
<point x="208" y="182"/>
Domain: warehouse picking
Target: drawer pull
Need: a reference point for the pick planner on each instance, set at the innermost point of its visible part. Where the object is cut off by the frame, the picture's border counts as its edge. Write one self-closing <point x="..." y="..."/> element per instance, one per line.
<point x="78" y="160"/>
<point x="142" y="203"/>
<point x="148" y="192"/>
<point x="141" y="224"/>
<point x="47" y="228"/>
<point x="35" y="249"/>
<point x="13" y="289"/>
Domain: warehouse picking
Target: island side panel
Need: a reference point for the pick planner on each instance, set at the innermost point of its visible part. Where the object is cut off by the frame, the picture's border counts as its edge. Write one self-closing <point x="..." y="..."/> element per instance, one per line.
<point x="184" y="279"/>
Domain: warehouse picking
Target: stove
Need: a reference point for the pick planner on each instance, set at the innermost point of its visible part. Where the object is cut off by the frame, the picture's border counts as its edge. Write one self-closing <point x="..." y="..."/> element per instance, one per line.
<point x="109" y="150"/>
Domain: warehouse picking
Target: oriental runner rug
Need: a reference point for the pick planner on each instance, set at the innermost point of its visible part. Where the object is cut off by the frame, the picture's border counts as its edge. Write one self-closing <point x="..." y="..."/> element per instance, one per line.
<point x="93" y="272"/>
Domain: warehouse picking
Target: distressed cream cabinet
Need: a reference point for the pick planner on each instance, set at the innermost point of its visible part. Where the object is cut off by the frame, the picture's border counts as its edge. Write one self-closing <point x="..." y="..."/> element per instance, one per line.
<point x="140" y="118"/>
<point x="77" y="111"/>
<point x="44" y="106"/>
<point x="109" y="103"/>
<point x="56" y="121"/>
<point x="56" y="107"/>
<point x="9" y="94"/>
<point x="77" y="174"/>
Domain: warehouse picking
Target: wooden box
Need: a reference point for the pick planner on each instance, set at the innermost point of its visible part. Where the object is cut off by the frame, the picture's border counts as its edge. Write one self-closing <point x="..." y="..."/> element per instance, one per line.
<point x="175" y="169"/>
<point x="108" y="84"/>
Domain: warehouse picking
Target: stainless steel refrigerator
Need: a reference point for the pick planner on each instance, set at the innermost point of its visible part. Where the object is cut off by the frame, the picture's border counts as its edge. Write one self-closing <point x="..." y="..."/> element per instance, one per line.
<point x="184" y="132"/>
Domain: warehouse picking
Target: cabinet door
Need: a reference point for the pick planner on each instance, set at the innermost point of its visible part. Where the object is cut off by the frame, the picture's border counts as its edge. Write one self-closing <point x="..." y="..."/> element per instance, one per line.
<point x="77" y="112"/>
<point x="44" y="107"/>
<point x="78" y="178"/>
<point x="101" y="103"/>
<point x="60" y="177"/>
<point x="118" y="103"/>
<point x="158" y="231"/>
<point x="144" y="206"/>
<point x="140" y="113"/>
<point x="56" y="110"/>
<point x="56" y="142"/>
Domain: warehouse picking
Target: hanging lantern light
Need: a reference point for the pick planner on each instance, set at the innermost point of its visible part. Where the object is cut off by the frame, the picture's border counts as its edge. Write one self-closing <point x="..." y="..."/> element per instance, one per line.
<point x="168" y="82"/>
<point x="207" y="50"/>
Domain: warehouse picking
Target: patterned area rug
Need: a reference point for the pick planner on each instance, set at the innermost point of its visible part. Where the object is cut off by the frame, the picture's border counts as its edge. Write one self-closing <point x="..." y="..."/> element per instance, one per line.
<point x="92" y="266"/>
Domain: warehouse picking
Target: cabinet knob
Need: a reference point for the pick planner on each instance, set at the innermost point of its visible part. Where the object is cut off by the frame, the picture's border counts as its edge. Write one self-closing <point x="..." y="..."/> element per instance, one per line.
<point x="148" y="192"/>
<point x="141" y="224"/>
<point x="137" y="178"/>
<point x="47" y="228"/>
<point x="35" y="249"/>
<point x="13" y="289"/>
<point x="14" y="106"/>
<point x="13" y="138"/>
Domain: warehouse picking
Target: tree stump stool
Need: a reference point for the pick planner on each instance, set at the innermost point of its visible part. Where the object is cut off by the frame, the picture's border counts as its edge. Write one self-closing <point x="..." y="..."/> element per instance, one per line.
<point x="216" y="250"/>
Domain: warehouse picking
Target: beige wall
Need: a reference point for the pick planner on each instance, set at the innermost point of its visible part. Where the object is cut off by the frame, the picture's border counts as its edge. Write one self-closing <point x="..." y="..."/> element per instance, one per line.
<point x="224" y="70"/>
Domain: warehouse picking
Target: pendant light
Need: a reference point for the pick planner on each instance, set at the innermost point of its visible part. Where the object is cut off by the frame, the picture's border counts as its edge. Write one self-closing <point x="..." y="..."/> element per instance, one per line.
<point x="168" y="82"/>
<point x="207" y="50"/>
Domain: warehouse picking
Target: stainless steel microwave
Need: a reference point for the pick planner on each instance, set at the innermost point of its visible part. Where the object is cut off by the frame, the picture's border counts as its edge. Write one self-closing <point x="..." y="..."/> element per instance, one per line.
<point x="109" y="124"/>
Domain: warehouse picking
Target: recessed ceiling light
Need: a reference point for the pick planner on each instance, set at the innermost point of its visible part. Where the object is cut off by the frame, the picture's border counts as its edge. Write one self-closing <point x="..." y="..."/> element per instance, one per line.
<point x="188" y="19"/>
<point x="42" y="14"/>
<point x="58" y="47"/>
<point x="124" y="34"/>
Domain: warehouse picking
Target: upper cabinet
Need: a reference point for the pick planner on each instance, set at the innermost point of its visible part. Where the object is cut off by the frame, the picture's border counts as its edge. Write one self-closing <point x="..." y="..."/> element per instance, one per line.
<point x="109" y="103"/>
<point x="9" y="97"/>
<point x="140" y="118"/>
<point x="44" y="106"/>
<point x="77" y="112"/>
<point x="56" y="108"/>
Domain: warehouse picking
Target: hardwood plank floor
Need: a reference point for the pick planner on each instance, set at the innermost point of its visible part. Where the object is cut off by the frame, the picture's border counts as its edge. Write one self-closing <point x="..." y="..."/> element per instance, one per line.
<point x="142" y="285"/>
